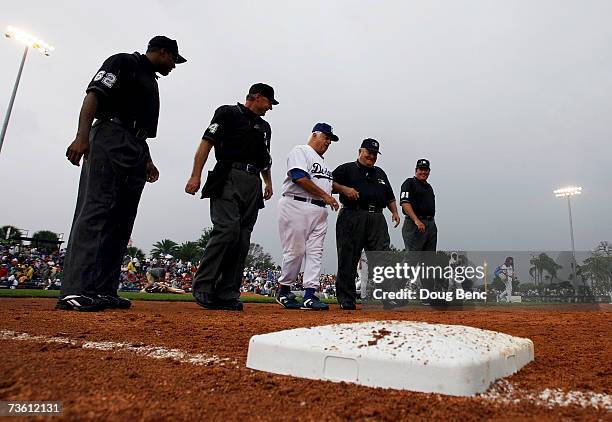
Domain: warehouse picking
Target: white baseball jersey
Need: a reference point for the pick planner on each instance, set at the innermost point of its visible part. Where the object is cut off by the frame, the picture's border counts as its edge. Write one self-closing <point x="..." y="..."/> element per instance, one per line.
<point x="507" y="276"/>
<point x="305" y="158"/>
<point x="507" y="272"/>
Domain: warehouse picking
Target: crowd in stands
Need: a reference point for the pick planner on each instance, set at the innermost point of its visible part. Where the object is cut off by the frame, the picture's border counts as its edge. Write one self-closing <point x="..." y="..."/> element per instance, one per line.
<point x="548" y="292"/>
<point x="177" y="274"/>
<point x="26" y="267"/>
<point x="265" y="282"/>
<point x="564" y="292"/>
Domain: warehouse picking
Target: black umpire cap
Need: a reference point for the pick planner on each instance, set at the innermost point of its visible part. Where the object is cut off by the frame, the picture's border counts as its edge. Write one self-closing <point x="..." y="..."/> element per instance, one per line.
<point x="423" y="163"/>
<point x="371" y="145"/>
<point x="162" y="41"/>
<point x="265" y="90"/>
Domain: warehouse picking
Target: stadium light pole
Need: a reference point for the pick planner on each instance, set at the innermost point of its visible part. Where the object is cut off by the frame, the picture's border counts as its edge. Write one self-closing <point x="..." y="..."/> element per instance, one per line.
<point x="568" y="192"/>
<point x="30" y="41"/>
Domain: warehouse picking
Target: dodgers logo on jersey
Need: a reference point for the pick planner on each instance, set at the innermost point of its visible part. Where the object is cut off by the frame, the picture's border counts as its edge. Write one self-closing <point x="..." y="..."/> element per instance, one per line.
<point x="318" y="172"/>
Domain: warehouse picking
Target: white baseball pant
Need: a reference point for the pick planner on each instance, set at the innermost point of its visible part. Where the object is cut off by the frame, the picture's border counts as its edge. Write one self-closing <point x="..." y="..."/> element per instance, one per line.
<point x="362" y="275"/>
<point x="302" y="227"/>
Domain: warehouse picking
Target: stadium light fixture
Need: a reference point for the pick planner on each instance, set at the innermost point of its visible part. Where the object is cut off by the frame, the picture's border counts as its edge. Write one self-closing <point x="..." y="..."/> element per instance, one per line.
<point x="568" y="192"/>
<point x="30" y="41"/>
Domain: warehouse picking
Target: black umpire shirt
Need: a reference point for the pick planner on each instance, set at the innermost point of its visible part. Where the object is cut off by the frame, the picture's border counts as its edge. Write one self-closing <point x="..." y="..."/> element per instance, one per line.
<point x="128" y="87"/>
<point x="420" y="196"/>
<point x="371" y="183"/>
<point x="240" y="136"/>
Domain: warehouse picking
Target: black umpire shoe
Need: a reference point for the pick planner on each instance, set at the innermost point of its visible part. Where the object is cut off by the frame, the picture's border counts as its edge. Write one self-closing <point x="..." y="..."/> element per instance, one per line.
<point x="205" y="300"/>
<point x="348" y="306"/>
<point x="230" y="305"/>
<point x="208" y="301"/>
<point x="115" y="302"/>
<point x="81" y="303"/>
<point x="392" y="304"/>
<point x="288" y="300"/>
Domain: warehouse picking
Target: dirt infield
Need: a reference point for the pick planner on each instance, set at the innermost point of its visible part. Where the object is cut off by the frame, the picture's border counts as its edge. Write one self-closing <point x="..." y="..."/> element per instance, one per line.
<point x="176" y="361"/>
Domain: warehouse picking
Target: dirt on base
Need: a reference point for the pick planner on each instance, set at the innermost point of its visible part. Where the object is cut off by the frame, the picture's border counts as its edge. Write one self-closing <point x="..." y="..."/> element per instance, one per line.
<point x="573" y="353"/>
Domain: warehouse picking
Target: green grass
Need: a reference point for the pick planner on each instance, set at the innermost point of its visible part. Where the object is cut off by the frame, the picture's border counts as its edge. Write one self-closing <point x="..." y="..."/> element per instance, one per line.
<point x="187" y="297"/>
<point x="165" y="297"/>
<point x="28" y="293"/>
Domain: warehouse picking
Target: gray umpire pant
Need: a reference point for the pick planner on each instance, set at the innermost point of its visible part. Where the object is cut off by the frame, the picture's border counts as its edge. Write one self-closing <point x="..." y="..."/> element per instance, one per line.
<point x="414" y="240"/>
<point x="356" y="230"/>
<point x="233" y="216"/>
<point x="112" y="180"/>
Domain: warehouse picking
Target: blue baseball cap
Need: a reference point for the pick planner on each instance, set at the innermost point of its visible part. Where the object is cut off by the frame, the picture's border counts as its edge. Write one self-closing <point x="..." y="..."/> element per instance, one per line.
<point x="326" y="129"/>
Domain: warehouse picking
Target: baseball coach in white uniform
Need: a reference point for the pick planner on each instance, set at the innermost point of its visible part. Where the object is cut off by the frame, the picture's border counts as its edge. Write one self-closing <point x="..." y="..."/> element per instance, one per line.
<point x="302" y="217"/>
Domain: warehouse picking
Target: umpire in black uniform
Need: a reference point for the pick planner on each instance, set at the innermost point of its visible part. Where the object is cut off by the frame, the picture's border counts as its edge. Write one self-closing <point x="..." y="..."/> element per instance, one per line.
<point x="418" y="203"/>
<point x="124" y="98"/>
<point x="241" y="139"/>
<point x="364" y="192"/>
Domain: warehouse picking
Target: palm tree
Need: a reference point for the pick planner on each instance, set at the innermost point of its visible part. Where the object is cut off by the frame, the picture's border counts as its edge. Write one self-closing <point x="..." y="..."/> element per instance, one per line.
<point x="581" y="273"/>
<point x="164" y="247"/>
<point x="598" y="269"/>
<point x="533" y="273"/>
<point x="46" y="240"/>
<point x="10" y="234"/>
<point x="189" y="252"/>
<point x="134" y="252"/>
<point x="536" y="270"/>
<point x="543" y="263"/>
<point x="603" y="249"/>
<point x="204" y="238"/>
<point x="550" y="266"/>
<point x="259" y="258"/>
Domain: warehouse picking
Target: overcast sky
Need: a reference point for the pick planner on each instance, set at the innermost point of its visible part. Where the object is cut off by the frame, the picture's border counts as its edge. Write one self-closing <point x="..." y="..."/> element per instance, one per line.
<point x="508" y="99"/>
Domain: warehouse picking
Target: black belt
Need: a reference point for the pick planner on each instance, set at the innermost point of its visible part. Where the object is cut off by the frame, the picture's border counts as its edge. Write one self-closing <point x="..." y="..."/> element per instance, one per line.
<point x="316" y="202"/>
<point x="249" y="168"/>
<point x="368" y="208"/>
<point x="425" y="217"/>
<point x="140" y="134"/>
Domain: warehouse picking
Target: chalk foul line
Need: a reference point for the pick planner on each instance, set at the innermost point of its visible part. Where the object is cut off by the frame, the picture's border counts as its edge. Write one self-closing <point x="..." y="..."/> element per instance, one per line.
<point x="155" y="352"/>
<point x="504" y="392"/>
